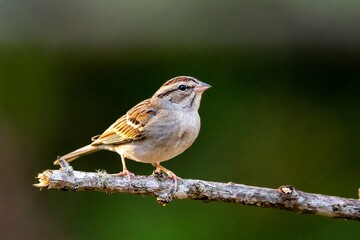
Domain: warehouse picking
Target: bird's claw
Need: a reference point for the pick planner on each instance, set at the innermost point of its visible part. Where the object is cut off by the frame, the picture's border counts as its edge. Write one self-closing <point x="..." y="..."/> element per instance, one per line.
<point x="126" y="173"/>
<point x="175" y="178"/>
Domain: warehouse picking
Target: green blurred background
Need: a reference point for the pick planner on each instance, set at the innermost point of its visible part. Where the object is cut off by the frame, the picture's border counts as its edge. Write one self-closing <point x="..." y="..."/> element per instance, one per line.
<point x="284" y="109"/>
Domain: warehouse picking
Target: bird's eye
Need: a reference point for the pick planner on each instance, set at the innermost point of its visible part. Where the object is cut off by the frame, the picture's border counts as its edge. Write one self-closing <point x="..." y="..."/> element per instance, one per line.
<point x="182" y="87"/>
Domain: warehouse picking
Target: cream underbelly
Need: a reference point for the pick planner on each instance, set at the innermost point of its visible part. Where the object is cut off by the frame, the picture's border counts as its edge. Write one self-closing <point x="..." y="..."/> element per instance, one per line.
<point x="142" y="152"/>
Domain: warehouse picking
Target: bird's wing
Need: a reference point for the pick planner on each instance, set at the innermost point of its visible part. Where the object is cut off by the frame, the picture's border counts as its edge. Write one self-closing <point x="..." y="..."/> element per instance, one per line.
<point x="129" y="127"/>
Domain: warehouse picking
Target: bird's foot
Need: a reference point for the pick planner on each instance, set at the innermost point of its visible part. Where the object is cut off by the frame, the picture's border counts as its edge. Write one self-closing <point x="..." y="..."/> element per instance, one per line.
<point x="158" y="173"/>
<point x="126" y="173"/>
<point x="170" y="174"/>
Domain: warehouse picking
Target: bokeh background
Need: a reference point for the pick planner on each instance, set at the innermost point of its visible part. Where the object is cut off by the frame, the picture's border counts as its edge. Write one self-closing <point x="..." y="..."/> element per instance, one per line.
<point x="284" y="109"/>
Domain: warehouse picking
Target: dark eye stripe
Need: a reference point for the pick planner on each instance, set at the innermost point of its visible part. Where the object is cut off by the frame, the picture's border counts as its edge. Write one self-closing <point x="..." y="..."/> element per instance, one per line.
<point x="161" y="95"/>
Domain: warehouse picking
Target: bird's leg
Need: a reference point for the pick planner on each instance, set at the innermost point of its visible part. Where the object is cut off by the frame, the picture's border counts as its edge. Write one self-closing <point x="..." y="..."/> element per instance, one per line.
<point x="125" y="171"/>
<point x="170" y="174"/>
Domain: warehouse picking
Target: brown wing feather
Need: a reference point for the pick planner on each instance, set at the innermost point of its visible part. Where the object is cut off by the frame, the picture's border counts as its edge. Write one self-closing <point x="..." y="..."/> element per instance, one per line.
<point x="129" y="127"/>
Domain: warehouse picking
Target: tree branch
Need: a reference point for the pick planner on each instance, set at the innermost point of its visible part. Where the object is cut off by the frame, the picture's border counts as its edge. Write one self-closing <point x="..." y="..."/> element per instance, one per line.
<point x="285" y="197"/>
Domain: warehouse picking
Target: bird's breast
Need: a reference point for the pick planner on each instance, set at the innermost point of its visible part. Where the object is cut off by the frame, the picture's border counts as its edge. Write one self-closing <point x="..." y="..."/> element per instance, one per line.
<point x="165" y="139"/>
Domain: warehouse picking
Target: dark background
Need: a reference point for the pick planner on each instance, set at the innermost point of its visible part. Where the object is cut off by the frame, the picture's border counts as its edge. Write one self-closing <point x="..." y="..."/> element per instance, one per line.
<point x="284" y="109"/>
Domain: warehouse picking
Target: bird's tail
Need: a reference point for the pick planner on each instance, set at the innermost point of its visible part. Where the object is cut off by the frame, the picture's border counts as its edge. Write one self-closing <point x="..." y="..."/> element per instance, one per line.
<point x="78" y="153"/>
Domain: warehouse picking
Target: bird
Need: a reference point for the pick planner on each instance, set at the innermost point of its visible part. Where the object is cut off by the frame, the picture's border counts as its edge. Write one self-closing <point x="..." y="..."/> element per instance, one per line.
<point x="156" y="129"/>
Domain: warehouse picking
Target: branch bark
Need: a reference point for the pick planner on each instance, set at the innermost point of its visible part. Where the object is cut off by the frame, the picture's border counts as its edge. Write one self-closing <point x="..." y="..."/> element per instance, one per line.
<point x="159" y="186"/>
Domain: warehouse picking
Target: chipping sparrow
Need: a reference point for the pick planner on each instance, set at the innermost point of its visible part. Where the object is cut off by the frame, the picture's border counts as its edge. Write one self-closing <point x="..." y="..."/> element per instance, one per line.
<point x="156" y="129"/>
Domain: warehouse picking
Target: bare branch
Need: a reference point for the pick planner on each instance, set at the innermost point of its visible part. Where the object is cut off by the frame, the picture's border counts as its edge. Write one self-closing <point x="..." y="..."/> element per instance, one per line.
<point x="285" y="197"/>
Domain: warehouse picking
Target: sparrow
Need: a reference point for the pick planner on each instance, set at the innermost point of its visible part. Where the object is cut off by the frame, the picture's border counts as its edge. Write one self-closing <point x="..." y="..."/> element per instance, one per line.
<point x="155" y="130"/>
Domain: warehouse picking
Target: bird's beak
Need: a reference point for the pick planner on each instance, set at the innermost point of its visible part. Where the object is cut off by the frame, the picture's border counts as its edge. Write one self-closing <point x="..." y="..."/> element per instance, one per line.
<point x="201" y="87"/>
